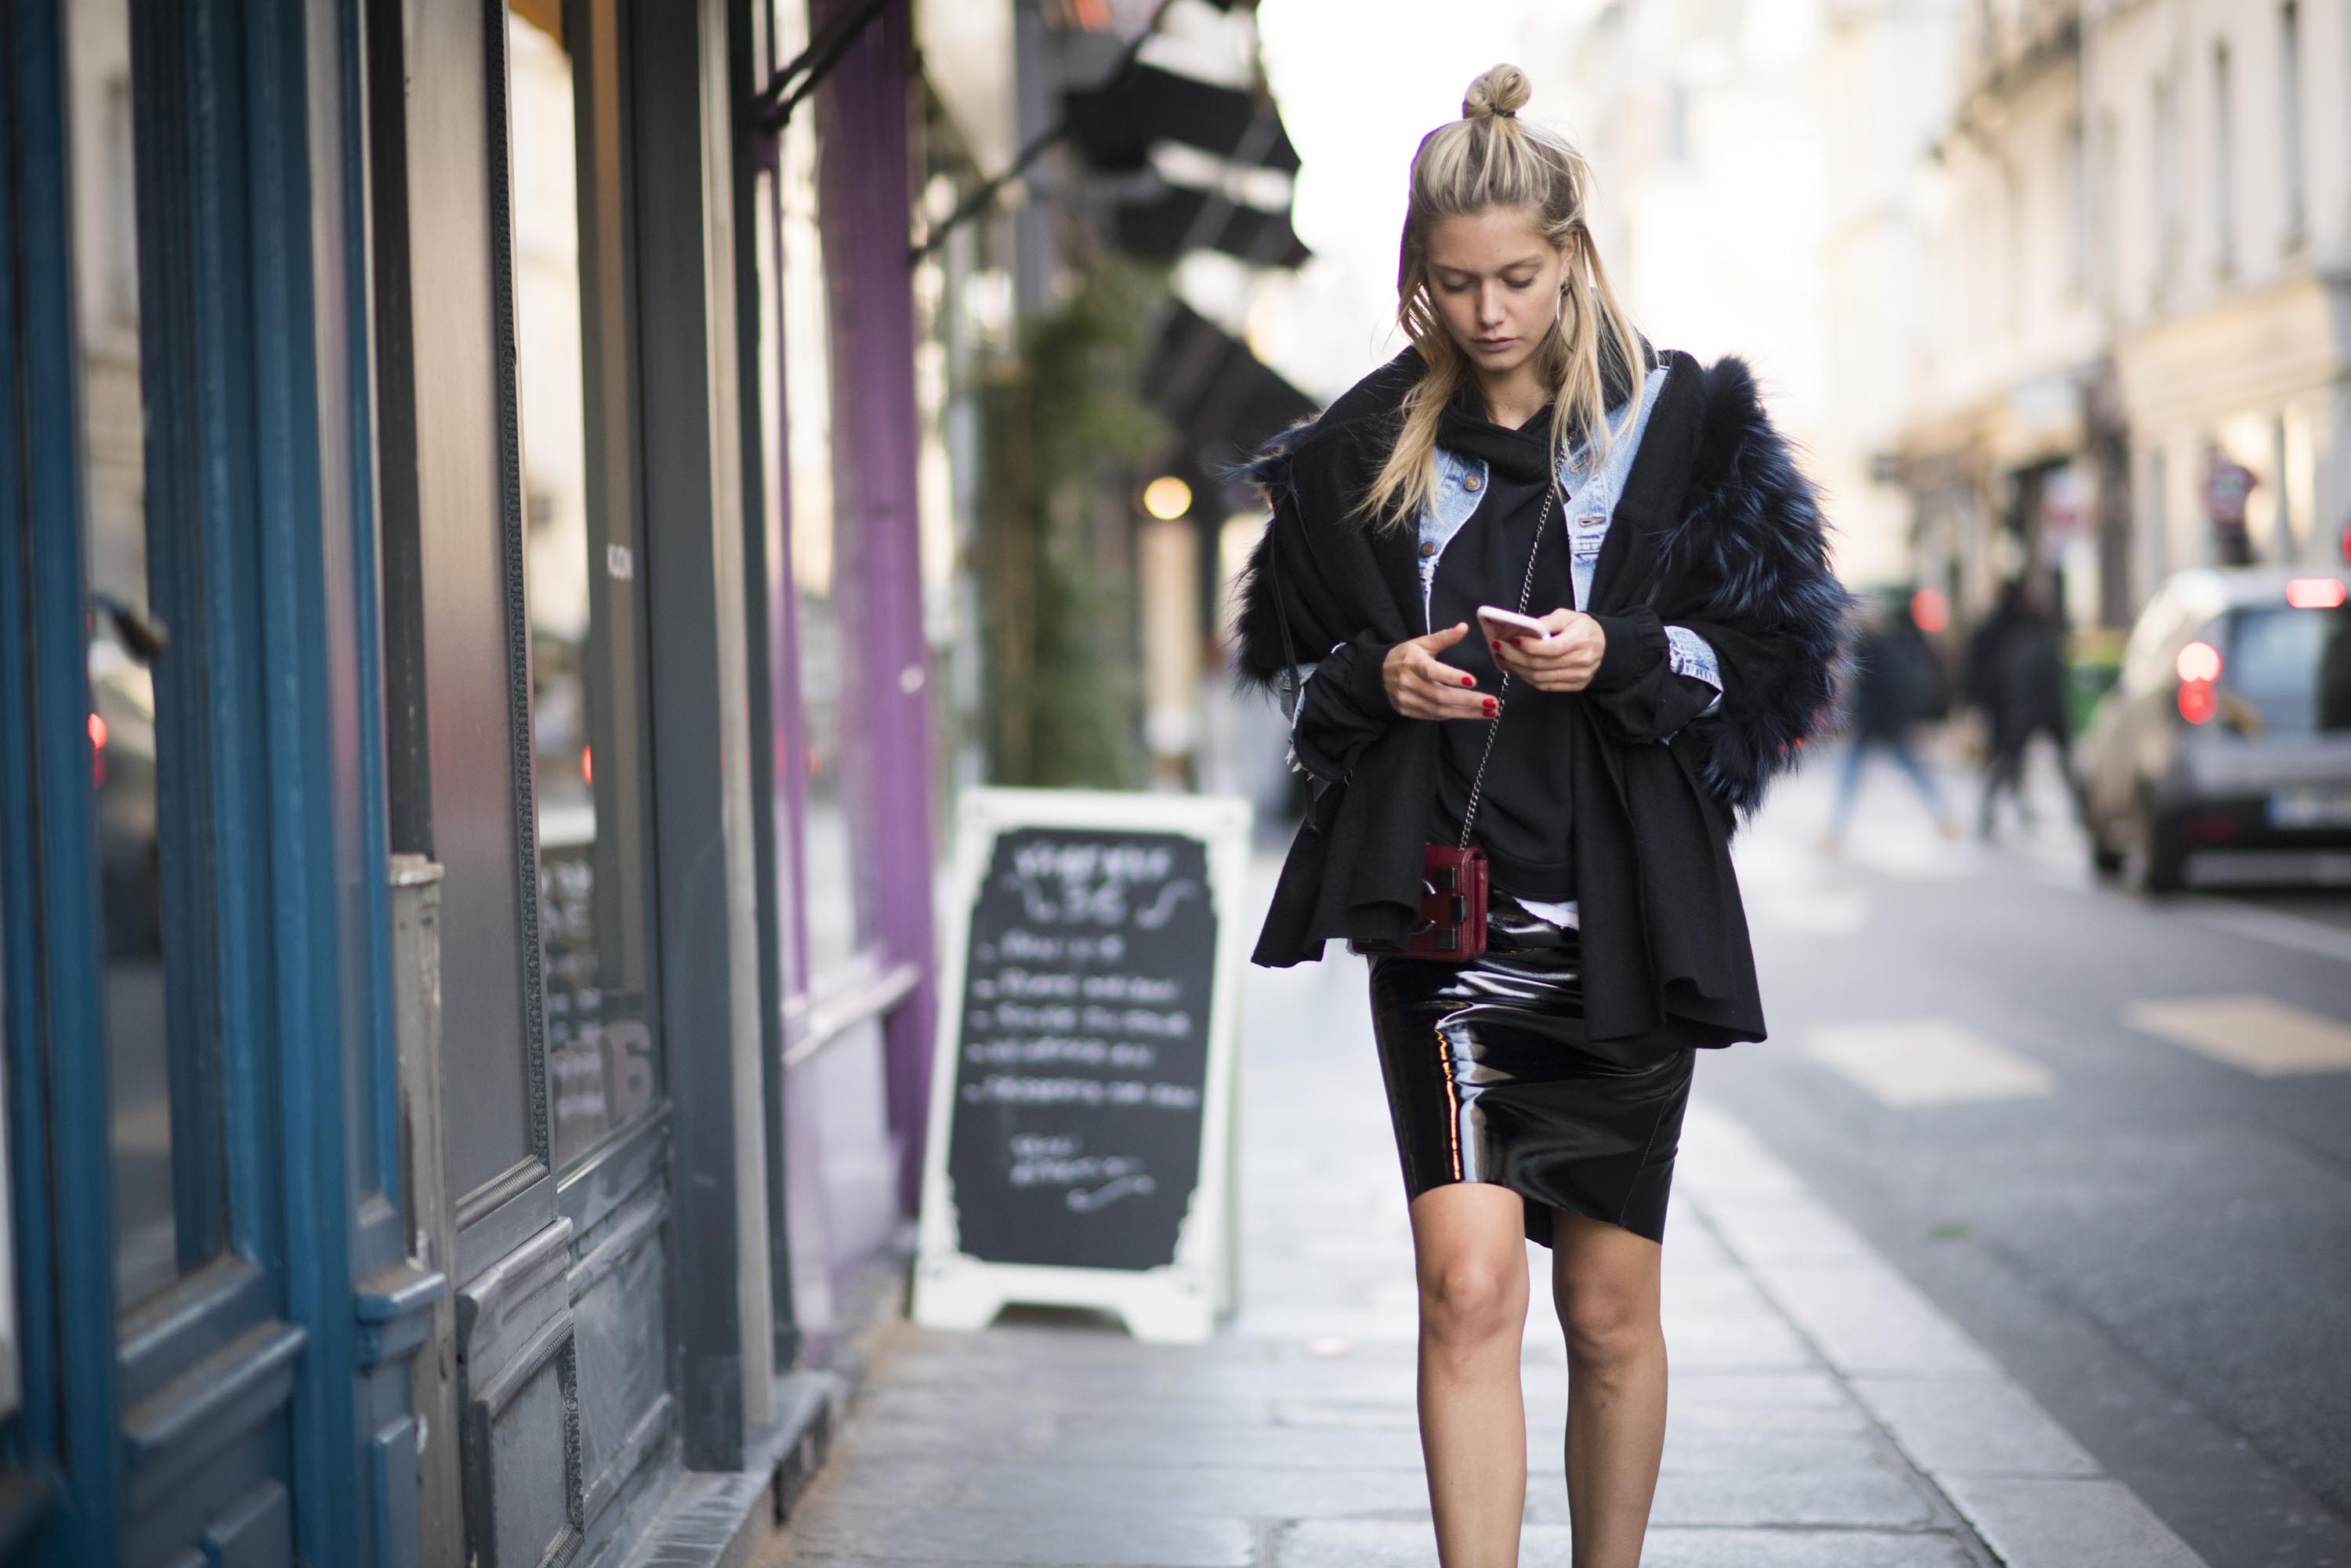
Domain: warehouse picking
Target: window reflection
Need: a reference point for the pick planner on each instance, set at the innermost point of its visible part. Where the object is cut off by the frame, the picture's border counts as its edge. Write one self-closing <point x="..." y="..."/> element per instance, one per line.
<point x="160" y="1162"/>
<point x="825" y="730"/>
<point x="580" y="566"/>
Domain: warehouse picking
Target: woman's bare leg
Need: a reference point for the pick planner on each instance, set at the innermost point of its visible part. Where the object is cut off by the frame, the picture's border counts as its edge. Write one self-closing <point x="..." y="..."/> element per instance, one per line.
<point x="1605" y="1282"/>
<point x="1470" y="1252"/>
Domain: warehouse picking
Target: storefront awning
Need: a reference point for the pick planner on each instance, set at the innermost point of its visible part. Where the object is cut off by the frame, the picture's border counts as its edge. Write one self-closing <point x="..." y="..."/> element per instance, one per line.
<point x="1222" y="399"/>
<point x="1179" y="219"/>
<point x="1115" y="124"/>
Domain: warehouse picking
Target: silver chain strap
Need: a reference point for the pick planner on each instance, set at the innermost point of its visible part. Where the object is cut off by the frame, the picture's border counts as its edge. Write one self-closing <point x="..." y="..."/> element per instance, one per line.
<point x="1526" y="593"/>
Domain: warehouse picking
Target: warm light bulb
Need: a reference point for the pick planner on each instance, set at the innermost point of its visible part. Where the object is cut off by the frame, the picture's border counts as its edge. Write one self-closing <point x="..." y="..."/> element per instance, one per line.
<point x="1167" y="498"/>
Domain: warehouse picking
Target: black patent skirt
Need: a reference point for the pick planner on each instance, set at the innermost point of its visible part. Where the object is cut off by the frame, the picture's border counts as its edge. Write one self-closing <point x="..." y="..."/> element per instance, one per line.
<point x="1490" y="1078"/>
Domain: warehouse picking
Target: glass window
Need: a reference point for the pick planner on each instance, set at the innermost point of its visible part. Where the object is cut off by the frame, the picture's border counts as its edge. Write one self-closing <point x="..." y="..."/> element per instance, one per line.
<point x="820" y="737"/>
<point x="2294" y="668"/>
<point x="148" y="808"/>
<point x="581" y="565"/>
<point x="144" y="699"/>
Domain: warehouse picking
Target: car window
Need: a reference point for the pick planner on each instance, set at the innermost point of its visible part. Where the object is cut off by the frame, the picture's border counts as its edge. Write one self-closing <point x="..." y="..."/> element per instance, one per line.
<point x="2294" y="667"/>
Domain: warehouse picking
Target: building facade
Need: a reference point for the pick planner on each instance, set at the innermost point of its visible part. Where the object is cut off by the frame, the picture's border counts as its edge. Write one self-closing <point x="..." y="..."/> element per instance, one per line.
<point x="2140" y="220"/>
<point x="467" y="782"/>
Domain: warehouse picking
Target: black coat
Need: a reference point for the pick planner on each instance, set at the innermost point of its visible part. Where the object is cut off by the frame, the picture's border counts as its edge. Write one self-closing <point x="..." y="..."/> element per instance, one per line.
<point x="1717" y="530"/>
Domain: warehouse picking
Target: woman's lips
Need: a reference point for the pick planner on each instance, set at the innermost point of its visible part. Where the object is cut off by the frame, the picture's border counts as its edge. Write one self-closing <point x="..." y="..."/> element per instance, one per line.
<point x="1492" y="344"/>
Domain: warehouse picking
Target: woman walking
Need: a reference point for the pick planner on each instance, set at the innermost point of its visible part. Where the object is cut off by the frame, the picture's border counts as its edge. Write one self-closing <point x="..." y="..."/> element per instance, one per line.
<point x="1529" y="450"/>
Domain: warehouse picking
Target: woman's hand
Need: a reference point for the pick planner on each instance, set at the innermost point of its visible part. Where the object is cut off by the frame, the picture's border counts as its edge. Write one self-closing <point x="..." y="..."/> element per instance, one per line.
<point x="1422" y="685"/>
<point x="1563" y="661"/>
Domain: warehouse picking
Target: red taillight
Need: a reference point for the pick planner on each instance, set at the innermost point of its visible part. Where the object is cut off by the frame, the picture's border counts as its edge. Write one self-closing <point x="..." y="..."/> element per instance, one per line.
<point x="1930" y="611"/>
<point x="2199" y="666"/>
<point x="2315" y="593"/>
<point x="97" y="730"/>
<point x="587" y="765"/>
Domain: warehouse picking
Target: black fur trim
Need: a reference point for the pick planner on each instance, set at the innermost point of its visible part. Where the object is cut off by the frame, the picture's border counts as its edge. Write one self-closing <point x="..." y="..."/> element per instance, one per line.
<point x="1757" y="520"/>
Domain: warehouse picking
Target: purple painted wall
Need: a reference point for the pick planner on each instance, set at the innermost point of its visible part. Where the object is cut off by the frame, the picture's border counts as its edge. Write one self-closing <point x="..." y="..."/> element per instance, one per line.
<point x="864" y="115"/>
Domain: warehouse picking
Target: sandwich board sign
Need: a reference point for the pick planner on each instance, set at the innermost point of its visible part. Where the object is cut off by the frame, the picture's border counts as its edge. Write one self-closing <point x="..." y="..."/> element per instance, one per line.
<point x="1079" y="1147"/>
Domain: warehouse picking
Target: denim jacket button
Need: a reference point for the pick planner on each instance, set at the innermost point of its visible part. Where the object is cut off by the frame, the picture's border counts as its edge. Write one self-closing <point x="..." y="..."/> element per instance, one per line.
<point x="1427" y="549"/>
<point x="1471" y="482"/>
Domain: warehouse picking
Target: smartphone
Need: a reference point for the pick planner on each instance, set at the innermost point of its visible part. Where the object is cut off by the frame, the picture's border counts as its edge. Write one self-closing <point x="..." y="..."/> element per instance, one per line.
<point x="1499" y="622"/>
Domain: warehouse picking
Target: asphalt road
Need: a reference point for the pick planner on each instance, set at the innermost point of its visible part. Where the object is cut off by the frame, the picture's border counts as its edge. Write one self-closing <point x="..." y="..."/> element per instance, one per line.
<point x="2145" y="1214"/>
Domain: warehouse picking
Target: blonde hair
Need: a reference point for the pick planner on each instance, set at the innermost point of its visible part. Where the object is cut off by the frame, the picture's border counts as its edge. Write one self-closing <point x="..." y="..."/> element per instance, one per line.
<point x="1490" y="158"/>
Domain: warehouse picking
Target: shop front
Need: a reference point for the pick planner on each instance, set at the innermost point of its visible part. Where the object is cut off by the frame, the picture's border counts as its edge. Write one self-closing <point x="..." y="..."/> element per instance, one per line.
<point x="466" y="778"/>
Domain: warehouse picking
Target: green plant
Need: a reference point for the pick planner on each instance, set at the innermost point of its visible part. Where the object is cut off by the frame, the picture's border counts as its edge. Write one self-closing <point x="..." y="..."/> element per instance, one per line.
<point x="1064" y="430"/>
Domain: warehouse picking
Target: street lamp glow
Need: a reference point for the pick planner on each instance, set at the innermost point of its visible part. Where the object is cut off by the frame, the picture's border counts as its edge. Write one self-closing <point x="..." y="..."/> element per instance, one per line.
<point x="1167" y="498"/>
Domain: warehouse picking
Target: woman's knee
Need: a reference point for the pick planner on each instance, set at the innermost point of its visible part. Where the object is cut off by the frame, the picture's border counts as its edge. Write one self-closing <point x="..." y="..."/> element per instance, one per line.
<point x="1469" y="1300"/>
<point x="1608" y="1324"/>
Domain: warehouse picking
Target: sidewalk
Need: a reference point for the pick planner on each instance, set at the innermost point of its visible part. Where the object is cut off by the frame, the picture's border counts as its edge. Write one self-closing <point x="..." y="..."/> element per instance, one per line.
<point x="1823" y="1414"/>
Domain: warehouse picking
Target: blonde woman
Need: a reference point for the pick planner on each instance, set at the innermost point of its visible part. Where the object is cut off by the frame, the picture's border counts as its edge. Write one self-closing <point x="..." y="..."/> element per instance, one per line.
<point x="1530" y="451"/>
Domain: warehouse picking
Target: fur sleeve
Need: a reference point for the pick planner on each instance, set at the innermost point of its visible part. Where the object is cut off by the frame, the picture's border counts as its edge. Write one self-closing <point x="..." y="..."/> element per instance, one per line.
<point x="1751" y="563"/>
<point x="1257" y="630"/>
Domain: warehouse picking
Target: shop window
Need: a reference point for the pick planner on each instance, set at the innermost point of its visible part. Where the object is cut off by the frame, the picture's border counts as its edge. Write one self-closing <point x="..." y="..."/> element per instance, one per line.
<point x="819" y="738"/>
<point x="145" y="664"/>
<point x="581" y="569"/>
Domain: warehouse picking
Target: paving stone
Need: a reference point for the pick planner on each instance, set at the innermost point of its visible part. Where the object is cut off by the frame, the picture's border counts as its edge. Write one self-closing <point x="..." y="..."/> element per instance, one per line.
<point x="1784" y="1230"/>
<point x="2036" y="1522"/>
<point x="1711" y="1450"/>
<point x="1878" y="1497"/>
<point x="1801" y="1549"/>
<point x="1246" y="1491"/>
<point x="1972" y="1426"/>
<point x="1077" y="1539"/>
<point x="1346" y="1412"/>
<point x="1369" y="1543"/>
<point x="1868" y="1319"/>
<point x="1358" y="1543"/>
<point x="1721" y="1341"/>
<point x="1082" y="1440"/>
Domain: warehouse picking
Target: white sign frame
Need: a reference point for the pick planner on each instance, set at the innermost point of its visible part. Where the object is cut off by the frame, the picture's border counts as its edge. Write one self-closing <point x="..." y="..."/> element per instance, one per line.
<point x="1177" y="1303"/>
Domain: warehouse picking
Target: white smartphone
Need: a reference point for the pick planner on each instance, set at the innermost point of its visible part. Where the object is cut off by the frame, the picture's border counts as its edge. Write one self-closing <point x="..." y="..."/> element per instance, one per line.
<point x="1497" y="620"/>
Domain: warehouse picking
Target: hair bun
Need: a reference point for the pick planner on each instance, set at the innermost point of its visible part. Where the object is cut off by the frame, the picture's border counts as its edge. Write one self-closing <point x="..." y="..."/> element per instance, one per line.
<point x="1504" y="90"/>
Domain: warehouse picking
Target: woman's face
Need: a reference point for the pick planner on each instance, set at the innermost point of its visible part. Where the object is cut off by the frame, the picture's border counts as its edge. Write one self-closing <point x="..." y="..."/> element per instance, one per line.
<point x="1496" y="283"/>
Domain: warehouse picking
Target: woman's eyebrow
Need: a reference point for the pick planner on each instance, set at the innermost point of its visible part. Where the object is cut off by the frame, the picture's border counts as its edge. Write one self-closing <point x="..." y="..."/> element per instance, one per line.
<point x="1529" y="262"/>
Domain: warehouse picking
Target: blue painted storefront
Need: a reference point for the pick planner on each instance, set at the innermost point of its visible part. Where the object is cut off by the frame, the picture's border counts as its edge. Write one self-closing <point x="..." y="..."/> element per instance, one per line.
<point x="326" y="1241"/>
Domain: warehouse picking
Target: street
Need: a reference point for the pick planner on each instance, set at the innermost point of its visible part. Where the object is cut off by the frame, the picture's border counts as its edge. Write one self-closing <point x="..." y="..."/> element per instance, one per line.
<point x="2153" y="1238"/>
<point x="1964" y="1267"/>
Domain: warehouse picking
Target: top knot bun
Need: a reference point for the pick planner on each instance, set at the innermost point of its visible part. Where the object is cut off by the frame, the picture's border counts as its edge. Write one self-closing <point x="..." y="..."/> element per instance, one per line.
<point x="1503" y="90"/>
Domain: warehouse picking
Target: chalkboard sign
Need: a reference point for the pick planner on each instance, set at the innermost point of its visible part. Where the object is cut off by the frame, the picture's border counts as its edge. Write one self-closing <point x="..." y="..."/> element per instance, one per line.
<point x="1079" y="1126"/>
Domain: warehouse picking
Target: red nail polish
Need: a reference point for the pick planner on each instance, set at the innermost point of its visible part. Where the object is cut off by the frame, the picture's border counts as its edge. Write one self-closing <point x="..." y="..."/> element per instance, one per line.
<point x="1497" y="647"/>
<point x="1490" y="706"/>
<point x="1468" y="680"/>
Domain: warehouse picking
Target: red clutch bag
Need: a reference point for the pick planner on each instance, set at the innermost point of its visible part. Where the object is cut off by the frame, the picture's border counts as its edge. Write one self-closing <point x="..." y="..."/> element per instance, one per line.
<point x="1452" y="924"/>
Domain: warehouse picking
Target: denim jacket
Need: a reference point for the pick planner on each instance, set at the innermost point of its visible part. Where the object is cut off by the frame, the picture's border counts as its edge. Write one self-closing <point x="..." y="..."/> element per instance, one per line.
<point x="1591" y="508"/>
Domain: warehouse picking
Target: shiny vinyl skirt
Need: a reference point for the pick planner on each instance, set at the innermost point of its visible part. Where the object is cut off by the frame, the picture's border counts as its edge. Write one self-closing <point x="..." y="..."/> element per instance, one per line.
<point x="1490" y="1078"/>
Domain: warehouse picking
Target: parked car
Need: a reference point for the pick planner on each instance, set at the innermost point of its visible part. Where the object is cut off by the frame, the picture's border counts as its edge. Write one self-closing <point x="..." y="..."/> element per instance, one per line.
<point x="2229" y="727"/>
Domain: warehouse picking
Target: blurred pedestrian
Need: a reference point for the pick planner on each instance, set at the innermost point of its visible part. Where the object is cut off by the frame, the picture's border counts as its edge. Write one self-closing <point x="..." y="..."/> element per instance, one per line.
<point x="1667" y="560"/>
<point x="1897" y="683"/>
<point x="2016" y="679"/>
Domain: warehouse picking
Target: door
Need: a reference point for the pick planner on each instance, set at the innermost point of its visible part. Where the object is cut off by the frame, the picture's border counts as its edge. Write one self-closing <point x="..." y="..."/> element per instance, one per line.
<point x="191" y="856"/>
<point x="516" y="564"/>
